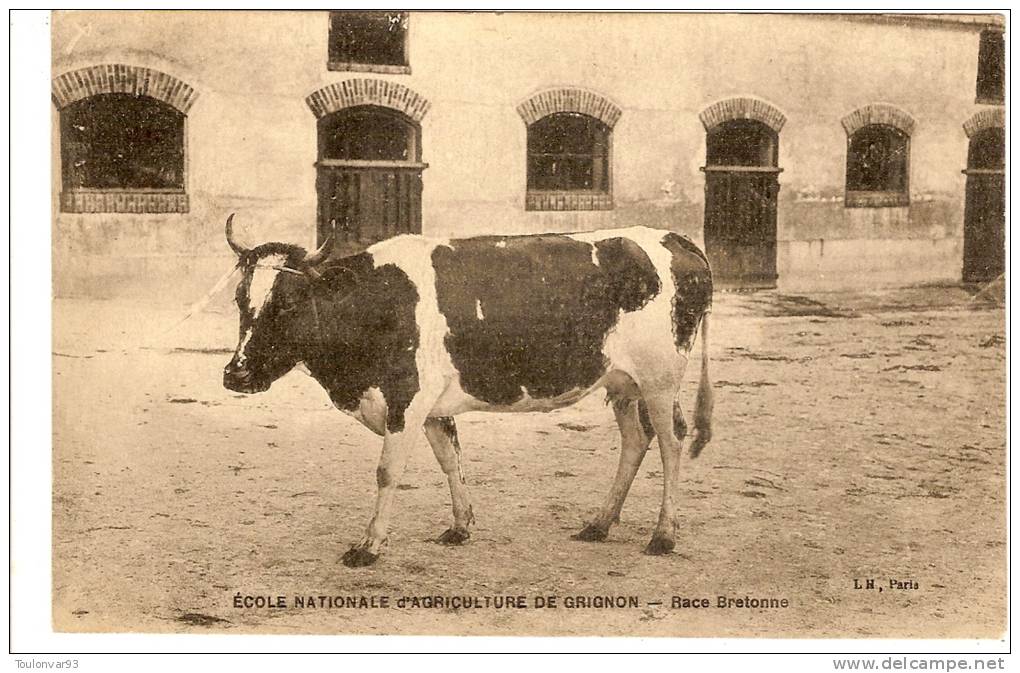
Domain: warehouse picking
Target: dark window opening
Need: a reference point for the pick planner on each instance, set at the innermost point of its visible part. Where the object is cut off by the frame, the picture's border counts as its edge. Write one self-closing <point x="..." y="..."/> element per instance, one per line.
<point x="368" y="133"/>
<point x="877" y="164"/>
<point x="991" y="67"/>
<point x="987" y="150"/>
<point x="122" y="141"/>
<point x="742" y="142"/>
<point x="367" y="38"/>
<point x="568" y="151"/>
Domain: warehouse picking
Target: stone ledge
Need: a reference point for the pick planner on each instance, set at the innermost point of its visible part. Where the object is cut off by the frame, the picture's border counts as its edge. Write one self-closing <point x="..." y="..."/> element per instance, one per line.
<point x="742" y="108"/>
<point x="878" y="113"/>
<point x="123" y="202"/>
<point x="563" y="201"/>
<point x="876" y="199"/>
<point x="77" y="85"/>
<point x="581" y="101"/>
<point x="352" y="66"/>
<point x="359" y="91"/>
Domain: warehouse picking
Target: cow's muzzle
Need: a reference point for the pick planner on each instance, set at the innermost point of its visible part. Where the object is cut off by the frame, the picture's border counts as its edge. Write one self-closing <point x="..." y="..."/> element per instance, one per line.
<point x="240" y="380"/>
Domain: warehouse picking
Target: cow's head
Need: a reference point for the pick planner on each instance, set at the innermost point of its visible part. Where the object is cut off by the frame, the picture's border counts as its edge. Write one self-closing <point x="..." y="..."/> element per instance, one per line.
<point x="272" y="298"/>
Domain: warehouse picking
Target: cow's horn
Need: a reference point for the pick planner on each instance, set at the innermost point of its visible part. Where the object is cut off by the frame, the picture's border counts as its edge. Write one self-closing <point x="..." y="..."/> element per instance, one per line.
<point x="238" y="249"/>
<point x="322" y="253"/>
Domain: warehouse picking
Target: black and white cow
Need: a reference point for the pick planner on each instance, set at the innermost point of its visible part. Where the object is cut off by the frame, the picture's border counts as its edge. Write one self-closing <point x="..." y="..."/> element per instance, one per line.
<point x="414" y="331"/>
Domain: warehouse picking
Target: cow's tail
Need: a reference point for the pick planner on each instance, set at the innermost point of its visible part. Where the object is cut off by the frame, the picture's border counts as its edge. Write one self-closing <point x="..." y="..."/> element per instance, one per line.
<point x="705" y="402"/>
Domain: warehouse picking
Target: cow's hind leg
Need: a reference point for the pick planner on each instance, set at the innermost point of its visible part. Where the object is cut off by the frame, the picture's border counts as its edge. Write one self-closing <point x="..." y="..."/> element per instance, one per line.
<point x="635" y="435"/>
<point x="667" y="420"/>
<point x="442" y="435"/>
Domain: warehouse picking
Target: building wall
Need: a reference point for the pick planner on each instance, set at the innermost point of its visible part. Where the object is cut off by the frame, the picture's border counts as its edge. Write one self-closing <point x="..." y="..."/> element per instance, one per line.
<point x="251" y="138"/>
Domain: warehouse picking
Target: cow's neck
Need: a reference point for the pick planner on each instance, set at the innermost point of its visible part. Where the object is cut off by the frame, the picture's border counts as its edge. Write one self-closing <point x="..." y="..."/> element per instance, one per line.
<point x="328" y="347"/>
<point x="315" y="332"/>
<point x="360" y="336"/>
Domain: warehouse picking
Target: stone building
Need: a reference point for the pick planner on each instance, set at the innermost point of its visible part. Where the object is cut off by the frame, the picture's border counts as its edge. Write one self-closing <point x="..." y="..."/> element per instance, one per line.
<point x="804" y="151"/>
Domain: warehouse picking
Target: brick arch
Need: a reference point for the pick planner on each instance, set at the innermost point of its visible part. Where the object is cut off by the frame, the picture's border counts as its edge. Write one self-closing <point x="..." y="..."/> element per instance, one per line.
<point x="878" y="113"/>
<point x="742" y="108"/>
<point x="359" y="91"/>
<point x="985" y="119"/>
<point x="75" y="85"/>
<point x="582" y="101"/>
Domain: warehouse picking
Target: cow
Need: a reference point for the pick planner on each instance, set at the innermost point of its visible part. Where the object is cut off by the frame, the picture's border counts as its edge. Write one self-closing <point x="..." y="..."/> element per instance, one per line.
<point x="413" y="331"/>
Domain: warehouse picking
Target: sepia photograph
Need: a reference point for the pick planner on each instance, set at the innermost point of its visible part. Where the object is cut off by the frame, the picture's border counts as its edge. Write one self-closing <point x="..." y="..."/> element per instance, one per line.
<point x="478" y="323"/>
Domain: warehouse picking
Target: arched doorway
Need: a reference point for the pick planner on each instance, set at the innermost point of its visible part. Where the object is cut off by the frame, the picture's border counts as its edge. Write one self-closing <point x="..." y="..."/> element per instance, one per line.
<point x="368" y="175"/>
<point x="984" y="215"/>
<point x="741" y="191"/>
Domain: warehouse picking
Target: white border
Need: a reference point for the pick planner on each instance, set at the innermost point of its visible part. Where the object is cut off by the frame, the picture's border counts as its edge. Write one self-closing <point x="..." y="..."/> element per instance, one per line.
<point x="31" y="453"/>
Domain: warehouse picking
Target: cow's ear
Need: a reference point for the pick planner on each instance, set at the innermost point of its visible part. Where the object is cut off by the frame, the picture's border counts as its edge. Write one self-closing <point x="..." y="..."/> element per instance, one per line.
<point x="349" y="275"/>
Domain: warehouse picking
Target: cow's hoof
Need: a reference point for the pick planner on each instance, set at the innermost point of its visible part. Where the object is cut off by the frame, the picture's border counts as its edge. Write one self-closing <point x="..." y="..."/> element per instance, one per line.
<point x="452" y="536"/>
<point x="659" y="545"/>
<point x="701" y="438"/>
<point x="591" y="533"/>
<point x="359" y="557"/>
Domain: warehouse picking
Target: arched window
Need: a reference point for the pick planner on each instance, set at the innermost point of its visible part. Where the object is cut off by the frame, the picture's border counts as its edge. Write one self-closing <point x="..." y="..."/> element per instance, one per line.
<point x="568" y="163"/>
<point x="568" y="151"/>
<point x="569" y="145"/>
<point x="121" y="141"/>
<point x="877" y="166"/>
<point x="877" y="156"/>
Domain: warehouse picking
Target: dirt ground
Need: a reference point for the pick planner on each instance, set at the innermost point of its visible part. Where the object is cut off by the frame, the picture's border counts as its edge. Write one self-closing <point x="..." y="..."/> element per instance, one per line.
<point x="857" y="436"/>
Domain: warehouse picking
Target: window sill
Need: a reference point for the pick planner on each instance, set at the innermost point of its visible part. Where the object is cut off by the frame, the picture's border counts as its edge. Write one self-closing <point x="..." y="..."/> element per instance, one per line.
<point x="368" y="67"/>
<point x="980" y="100"/>
<point x="563" y="201"/>
<point x="984" y="171"/>
<point x="876" y="199"/>
<point x="371" y="163"/>
<point x="123" y="201"/>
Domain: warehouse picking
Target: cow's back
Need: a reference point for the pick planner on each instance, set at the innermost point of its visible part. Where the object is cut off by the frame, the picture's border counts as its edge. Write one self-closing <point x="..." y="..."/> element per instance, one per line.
<point x="529" y="315"/>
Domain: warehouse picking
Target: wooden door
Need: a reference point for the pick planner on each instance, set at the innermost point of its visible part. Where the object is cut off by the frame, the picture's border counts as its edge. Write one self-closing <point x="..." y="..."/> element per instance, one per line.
<point x="741" y="197"/>
<point x="984" y="215"/>
<point x="368" y="176"/>
<point x="368" y="203"/>
<point x="740" y="226"/>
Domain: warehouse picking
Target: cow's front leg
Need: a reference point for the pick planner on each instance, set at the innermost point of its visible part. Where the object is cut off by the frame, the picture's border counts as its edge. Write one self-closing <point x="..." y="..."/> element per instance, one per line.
<point x="442" y="435"/>
<point x="396" y="448"/>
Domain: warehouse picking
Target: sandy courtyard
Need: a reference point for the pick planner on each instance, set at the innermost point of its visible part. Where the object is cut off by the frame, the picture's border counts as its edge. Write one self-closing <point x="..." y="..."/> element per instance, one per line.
<point x="857" y="436"/>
